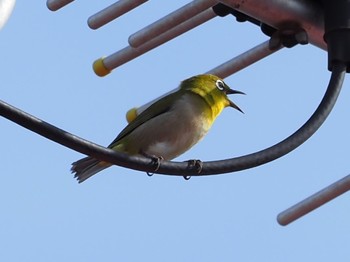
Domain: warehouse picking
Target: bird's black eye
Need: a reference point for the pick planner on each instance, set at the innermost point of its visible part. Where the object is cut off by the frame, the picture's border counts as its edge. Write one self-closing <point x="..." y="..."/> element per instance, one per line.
<point x="220" y="85"/>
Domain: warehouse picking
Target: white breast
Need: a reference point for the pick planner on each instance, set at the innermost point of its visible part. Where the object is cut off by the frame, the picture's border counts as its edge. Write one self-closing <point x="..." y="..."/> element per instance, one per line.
<point x="180" y="128"/>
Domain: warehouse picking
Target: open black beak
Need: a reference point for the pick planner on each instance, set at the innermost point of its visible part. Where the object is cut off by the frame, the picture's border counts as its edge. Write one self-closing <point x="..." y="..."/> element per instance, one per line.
<point x="230" y="91"/>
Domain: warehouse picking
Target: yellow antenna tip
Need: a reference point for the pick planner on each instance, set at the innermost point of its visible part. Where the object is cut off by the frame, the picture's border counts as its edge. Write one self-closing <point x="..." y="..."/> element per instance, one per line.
<point x="131" y="114"/>
<point x="100" y="68"/>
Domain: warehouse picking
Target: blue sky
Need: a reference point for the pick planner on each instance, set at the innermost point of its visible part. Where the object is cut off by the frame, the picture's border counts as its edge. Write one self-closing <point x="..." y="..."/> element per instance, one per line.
<point x="124" y="215"/>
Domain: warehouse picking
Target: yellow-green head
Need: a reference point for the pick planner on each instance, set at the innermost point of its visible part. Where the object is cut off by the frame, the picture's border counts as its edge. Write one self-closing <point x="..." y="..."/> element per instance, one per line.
<point x="213" y="90"/>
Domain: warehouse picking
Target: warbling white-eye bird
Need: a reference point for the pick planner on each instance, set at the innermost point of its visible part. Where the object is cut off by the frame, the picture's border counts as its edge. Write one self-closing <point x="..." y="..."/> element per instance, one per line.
<point x="170" y="126"/>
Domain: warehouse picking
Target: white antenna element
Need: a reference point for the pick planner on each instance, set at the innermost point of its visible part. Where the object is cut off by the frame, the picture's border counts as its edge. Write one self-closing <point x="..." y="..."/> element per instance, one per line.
<point x="104" y="66"/>
<point x="112" y="12"/>
<point x="54" y="5"/>
<point x="224" y="70"/>
<point x="170" y="21"/>
<point x="243" y="60"/>
<point x="316" y="200"/>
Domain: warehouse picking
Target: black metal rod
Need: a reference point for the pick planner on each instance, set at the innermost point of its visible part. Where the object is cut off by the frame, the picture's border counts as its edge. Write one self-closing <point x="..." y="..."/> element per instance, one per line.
<point x="182" y="168"/>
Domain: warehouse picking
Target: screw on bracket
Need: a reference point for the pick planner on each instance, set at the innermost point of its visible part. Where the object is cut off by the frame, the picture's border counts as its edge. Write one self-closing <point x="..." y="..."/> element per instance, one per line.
<point x="288" y="35"/>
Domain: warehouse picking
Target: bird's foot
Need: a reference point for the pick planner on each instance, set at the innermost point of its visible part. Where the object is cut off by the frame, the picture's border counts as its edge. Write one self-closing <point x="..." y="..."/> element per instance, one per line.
<point x="156" y="160"/>
<point x="194" y="164"/>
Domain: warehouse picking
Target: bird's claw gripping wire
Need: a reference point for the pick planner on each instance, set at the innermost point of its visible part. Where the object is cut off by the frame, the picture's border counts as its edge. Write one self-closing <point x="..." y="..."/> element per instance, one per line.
<point x="195" y="164"/>
<point x="156" y="160"/>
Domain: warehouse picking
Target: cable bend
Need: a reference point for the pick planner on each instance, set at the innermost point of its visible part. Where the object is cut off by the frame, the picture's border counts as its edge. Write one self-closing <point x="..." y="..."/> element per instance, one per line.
<point x="293" y="141"/>
<point x="183" y="168"/>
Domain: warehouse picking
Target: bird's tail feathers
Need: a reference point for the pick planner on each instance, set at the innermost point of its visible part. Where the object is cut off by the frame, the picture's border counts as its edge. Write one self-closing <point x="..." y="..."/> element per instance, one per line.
<point x="87" y="167"/>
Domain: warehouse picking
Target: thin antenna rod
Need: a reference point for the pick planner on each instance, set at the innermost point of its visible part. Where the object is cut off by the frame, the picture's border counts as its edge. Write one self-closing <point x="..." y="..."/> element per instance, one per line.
<point x="54" y="5"/>
<point x="224" y="70"/>
<point x="104" y="66"/>
<point x="170" y="21"/>
<point x="112" y="12"/>
<point x="315" y="201"/>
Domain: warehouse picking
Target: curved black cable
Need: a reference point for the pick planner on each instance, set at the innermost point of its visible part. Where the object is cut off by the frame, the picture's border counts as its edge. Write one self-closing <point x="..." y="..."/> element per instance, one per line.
<point x="293" y="141"/>
<point x="183" y="168"/>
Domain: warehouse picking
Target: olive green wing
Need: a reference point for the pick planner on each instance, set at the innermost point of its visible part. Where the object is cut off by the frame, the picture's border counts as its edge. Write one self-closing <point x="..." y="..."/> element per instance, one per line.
<point x="159" y="107"/>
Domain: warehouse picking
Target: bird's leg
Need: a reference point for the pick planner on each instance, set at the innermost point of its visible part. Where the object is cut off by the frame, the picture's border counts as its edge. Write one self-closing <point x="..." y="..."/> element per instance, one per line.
<point x="194" y="164"/>
<point x="156" y="160"/>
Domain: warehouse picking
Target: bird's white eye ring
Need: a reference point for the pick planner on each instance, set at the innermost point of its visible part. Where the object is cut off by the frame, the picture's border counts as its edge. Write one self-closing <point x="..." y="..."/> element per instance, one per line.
<point x="220" y="85"/>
